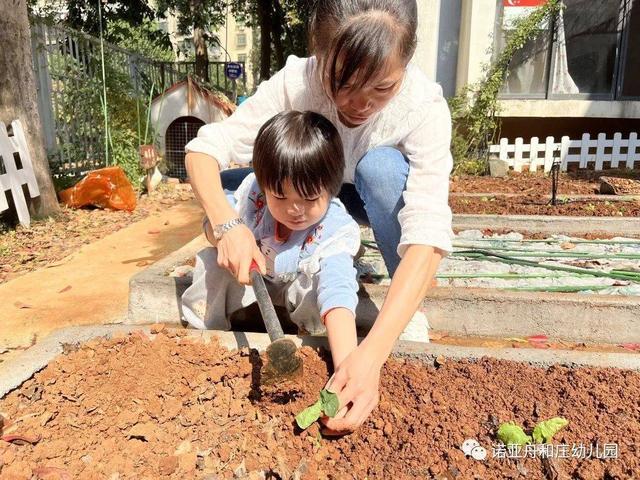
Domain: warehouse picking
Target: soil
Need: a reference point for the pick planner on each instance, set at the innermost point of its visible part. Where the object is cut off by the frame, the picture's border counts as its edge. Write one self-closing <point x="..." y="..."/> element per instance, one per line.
<point x="576" y="183"/>
<point x="46" y="242"/>
<point x="133" y="407"/>
<point x="539" y="205"/>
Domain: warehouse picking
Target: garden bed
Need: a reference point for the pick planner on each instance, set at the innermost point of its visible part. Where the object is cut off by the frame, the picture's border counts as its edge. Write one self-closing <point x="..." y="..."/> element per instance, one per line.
<point x="535" y="204"/>
<point x="574" y="183"/>
<point x="101" y="411"/>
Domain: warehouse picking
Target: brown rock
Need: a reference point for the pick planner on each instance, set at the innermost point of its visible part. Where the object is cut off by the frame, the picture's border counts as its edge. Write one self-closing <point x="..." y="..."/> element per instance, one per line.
<point x="168" y="465"/>
<point x="619" y="186"/>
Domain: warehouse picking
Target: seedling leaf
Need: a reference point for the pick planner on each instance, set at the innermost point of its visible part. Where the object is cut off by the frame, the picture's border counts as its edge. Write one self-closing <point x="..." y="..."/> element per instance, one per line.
<point x="330" y="403"/>
<point x="309" y="415"/>
<point x="544" y="431"/>
<point x="512" y="434"/>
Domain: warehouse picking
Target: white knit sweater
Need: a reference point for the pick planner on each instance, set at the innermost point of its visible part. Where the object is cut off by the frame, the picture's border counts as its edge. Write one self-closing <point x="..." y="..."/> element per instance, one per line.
<point x="416" y="121"/>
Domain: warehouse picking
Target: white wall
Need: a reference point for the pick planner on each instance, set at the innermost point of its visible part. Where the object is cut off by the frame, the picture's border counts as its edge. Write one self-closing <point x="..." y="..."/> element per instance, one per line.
<point x="426" y="56"/>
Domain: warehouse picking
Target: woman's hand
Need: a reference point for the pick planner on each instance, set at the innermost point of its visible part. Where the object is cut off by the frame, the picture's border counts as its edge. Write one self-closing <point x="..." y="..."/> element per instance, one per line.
<point x="356" y="381"/>
<point x="236" y="250"/>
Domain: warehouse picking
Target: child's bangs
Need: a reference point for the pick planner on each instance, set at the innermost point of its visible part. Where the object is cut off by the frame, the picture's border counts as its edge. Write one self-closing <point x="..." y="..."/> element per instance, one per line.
<point x="360" y="52"/>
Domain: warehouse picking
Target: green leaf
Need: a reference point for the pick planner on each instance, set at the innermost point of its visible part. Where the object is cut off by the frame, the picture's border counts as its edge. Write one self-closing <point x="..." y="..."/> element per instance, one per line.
<point x="330" y="403"/>
<point x="544" y="431"/>
<point x="309" y="415"/>
<point x="512" y="434"/>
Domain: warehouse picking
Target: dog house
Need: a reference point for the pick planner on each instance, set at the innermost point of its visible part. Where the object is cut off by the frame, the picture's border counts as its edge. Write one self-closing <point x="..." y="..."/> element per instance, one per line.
<point x="176" y="116"/>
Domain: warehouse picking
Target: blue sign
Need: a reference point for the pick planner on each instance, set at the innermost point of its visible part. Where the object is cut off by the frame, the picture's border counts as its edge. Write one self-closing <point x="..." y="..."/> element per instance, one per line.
<point x="233" y="70"/>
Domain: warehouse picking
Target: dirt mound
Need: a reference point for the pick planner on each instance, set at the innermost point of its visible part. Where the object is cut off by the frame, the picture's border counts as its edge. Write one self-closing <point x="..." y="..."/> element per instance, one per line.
<point x="135" y="407"/>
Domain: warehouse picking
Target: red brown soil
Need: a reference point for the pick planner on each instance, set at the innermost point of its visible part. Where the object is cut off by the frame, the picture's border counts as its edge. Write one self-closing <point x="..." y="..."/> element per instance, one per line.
<point x="538" y="205"/>
<point x="136" y="408"/>
<point x="538" y="183"/>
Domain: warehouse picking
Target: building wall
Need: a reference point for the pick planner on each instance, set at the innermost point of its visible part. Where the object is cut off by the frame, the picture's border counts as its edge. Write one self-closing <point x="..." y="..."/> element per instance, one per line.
<point x="478" y="26"/>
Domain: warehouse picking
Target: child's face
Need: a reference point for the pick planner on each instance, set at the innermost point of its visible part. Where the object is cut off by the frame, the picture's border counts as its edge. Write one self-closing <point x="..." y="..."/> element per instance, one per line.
<point x="355" y="107"/>
<point x="296" y="212"/>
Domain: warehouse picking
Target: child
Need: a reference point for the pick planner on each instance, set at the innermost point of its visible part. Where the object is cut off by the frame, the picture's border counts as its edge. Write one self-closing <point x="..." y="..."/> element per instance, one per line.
<point x="305" y="234"/>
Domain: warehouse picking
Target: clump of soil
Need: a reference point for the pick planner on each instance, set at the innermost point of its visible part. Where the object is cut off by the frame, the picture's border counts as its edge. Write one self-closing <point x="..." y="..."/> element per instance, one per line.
<point x="539" y="205"/>
<point x="133" y="407"/>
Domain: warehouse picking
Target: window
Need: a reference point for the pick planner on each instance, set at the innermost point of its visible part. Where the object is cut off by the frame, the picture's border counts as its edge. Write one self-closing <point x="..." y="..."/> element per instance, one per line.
<point x="631" y="70"/>
<point x="241" y="40"/>
<point x="591" y="50"/>
<point x="242" y="57"/>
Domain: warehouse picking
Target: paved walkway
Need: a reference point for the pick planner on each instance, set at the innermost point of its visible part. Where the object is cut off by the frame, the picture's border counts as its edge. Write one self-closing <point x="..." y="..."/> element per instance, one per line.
<point x="91" y="286"/>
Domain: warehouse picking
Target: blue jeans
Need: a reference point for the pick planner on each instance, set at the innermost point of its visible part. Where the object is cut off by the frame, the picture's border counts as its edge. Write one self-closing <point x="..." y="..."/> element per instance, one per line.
<point x="375" y="198"/>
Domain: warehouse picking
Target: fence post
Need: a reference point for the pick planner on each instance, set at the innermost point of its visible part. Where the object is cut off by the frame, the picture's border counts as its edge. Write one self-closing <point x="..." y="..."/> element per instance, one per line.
<point x="517" y="155"/>
<point x="584" y="150"/>
<point x="564" y="150"/>
<point x="632" y="156"/>
<point x="43" y="85"/>
<point x="615" y="150"/>
<point x="602" y="139"/>
<point x="504" y="142"/>
<point x="549" y="149"/>
<point x="533" y="154"/>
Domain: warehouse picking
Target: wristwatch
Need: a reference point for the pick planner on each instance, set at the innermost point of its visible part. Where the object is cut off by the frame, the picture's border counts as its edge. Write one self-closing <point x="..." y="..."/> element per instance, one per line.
<point x="222" y="228"/>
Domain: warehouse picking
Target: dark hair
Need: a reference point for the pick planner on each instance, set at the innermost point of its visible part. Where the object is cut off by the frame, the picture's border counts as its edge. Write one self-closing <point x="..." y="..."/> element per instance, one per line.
<point x="303" y="147"/>
<point x="365" y="33"/>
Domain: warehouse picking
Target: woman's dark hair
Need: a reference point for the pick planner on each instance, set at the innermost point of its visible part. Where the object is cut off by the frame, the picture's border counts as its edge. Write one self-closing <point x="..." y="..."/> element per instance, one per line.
<point x="303" y="147"/>
<point x="354" y="38"/>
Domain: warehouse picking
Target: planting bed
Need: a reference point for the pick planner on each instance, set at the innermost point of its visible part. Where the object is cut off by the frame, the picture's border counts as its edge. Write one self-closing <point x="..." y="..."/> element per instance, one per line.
<point x="172" y="407"/>
<point x="535" y="204"/>
<point x="529" y="194"/>
<point x="574" y="183"/>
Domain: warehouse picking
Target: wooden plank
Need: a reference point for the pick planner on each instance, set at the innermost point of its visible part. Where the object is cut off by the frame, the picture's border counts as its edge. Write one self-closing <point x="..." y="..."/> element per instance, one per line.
<point x="15" y="187"/>
<point x="533" y="154"/>
<point x="600" y="155"/>
<point x="564" y="149"/>
<point x="517" y="156"/>
<point x="549" y="149"/>
<point x="616" y="157"/>
<point x="504" y="144"/>
<point x="632" y="152"/>
<point x="584" y="150"/>
<point x="20" y="145"/>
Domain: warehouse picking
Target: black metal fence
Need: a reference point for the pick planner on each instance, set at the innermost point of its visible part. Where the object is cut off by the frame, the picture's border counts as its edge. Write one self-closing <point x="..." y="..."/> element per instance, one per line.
<point x="69" y="76"/>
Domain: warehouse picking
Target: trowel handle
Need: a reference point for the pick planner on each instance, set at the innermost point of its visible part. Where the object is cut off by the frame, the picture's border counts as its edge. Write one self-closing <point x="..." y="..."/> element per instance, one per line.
<point x="271" y="321"/>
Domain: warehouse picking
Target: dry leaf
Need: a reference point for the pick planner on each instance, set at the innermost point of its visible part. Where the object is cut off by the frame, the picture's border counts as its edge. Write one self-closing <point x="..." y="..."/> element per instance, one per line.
<point x="22" y="305"/>
<point x="65" y="289"/>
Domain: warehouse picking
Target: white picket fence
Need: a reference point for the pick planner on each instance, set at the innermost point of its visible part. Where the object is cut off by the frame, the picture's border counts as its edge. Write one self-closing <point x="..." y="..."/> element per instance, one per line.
<point x="14" y="175"/>
<point x="619" y="152"/>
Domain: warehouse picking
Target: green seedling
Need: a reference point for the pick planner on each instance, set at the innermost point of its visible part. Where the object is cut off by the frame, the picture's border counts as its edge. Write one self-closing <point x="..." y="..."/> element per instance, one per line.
<point x="328" y="404"/>
<point x="544" y="431"/>
<point x="512" y="434"/>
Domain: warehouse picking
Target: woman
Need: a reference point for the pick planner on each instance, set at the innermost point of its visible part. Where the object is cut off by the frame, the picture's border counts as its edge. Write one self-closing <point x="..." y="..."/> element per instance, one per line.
<point x="395" y="128"/>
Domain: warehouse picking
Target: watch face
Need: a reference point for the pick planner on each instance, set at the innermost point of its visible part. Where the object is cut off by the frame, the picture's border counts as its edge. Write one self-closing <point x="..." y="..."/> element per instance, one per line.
<point x="217" y="232"/>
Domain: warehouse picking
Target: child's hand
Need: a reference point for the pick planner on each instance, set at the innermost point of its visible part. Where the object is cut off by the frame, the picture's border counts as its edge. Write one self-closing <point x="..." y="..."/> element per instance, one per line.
<point x="357" y="383"/>
<point x="236" y="250"/>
